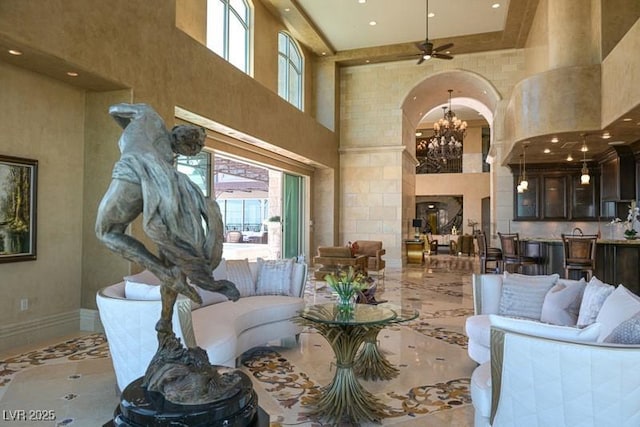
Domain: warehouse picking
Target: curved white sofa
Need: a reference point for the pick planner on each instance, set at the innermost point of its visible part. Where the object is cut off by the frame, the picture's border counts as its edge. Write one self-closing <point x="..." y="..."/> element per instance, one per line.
<point x="224" y="330"/>
<point x="540" y="374"/>
<point x="540" y="382"/>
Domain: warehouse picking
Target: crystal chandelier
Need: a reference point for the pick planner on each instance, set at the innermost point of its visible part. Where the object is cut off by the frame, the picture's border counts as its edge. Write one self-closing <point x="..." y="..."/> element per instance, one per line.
<point x="449" y="131"/>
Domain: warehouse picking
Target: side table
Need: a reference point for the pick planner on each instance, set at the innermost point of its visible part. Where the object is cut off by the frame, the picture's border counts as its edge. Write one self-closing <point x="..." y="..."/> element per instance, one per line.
<point x="345" y="397"/>
<point x="370" y="363"/>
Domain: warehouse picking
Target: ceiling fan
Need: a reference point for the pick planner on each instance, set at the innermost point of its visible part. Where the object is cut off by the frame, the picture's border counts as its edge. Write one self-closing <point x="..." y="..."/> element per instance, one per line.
<point x="426" y="48"/>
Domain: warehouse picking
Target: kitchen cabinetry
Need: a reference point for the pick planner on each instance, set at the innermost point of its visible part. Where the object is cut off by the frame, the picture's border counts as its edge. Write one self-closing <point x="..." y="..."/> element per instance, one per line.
<point x="618" y="175"/>
<point x="556" y="196"/>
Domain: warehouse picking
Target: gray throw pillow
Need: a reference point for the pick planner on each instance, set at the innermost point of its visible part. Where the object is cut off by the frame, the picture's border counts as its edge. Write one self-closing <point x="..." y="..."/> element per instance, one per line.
<point x="524" y="298"/>
<point x="628" y="332"/>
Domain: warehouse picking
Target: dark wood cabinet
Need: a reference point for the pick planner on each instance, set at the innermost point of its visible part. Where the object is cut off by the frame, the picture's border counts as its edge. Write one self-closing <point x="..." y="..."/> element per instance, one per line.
<point x="554" y="191"/>
<point x="527" y="203"/>
<point x="584" y="201"/>
<point x="618" y="170"/>
<point x="557" y="196"/>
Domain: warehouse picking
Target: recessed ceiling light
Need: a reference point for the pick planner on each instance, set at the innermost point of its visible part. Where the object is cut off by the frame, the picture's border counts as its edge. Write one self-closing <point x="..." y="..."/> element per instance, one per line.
<point x="495" y="5"/>
<point x="418" y="133"/>
<point x="547" y="151"/>
<point x="15" y="52"/>
<point x="367" y="61"/>
<point x="554" y="140"/>
<point x="415" y="97"/>
<point x="324" y="53"/>
<point x="362" y="1"/>
<point x="72" y="74"/>
<point x="606" y="135"/>
<point x="287" y="9"/>
<point x="627" y="119"/>
<point x="431" y="14"/>
<point x="373" y="23"/>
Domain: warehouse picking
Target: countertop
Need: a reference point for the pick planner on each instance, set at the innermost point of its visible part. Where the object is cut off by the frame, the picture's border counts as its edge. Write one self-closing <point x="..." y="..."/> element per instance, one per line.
<point x="635" y="242"/>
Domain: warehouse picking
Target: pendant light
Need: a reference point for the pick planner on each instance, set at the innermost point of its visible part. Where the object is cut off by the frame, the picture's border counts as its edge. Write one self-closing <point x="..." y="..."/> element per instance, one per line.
<point x="519" y="187"/>
<point x="524" y="184"/>
<point x="584" y="178"/>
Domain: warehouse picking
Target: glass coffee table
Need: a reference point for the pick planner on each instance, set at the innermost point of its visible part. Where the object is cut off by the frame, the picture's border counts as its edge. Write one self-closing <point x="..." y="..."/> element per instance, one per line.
<point x="345" y="398"/>
<point x="370" y="363"/>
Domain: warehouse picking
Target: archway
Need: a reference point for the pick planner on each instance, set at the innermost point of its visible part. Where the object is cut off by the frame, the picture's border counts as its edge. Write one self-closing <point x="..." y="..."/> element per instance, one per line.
<point x="474" y="92"/>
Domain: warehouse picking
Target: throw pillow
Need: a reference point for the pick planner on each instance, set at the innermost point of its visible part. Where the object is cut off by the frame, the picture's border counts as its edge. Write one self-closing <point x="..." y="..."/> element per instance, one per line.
<point x="537" y="278"/>
<point x="562" y="303"/>
<point x="145" y="276"/>
<point x="595" y="293"/>
<point x="239" y="273"/>
<point x="221" y="270"/>
<point x="524" y="298"/>
<point x="141" y="291"/>
<point x="274" y="276"/>
<point x="628" y="332"/>
<point x="208" y="297"/>
<point x="618" y="307"/>
<point x="545" y="330"/>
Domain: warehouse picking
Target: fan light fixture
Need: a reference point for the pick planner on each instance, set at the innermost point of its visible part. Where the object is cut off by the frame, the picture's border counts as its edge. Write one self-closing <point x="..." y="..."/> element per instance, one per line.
<point x="446" y="142"/>
<point x="584" y="178"/>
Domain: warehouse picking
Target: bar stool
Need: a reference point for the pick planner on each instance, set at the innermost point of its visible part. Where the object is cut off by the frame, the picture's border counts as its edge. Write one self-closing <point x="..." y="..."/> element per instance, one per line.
<point x="510" y="243"/>
<point x="579" y="254"/>
<point x="488" y="254"/>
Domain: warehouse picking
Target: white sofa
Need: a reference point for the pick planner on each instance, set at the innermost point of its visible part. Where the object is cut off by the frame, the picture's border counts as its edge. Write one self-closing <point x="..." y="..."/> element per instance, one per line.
<point x="224" y="329"/>
<point x="533" y="373"/>
<point x="541" y="382"/>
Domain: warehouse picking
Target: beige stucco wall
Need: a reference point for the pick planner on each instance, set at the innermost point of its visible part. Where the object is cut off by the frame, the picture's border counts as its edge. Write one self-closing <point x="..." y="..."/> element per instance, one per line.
<point x="125" y="43"/>
<point x="42" y="119"/>
<point x="371" y="101"/>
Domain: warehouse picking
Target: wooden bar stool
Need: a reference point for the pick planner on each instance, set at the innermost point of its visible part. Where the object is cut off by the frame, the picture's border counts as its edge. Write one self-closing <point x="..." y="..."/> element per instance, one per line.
<point x="488" y="254"/>
<point x="579" y="254"/>
<point x="510" y="243"/>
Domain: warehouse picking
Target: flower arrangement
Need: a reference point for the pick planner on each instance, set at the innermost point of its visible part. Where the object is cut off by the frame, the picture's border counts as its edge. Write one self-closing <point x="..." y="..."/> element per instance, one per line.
<point x="629" y="225"/>
<point x="347" y="283"/>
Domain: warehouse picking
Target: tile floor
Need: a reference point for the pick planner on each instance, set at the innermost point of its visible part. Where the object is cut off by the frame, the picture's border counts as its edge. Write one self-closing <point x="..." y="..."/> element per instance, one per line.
<point x="74" y="378"/>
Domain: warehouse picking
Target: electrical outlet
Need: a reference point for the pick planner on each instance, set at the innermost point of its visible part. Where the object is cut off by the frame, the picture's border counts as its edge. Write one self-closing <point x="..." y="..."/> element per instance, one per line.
<point x="24" y="304"/>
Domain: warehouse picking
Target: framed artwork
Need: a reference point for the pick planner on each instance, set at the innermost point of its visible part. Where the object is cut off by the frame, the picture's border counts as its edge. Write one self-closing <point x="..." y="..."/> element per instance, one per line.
<point x="18" y="185"/>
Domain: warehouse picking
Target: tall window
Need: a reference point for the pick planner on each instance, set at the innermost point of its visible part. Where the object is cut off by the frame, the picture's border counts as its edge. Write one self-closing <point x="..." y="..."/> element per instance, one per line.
<point x="289" y="70"/>
<point x="228" y="31"/>
<point x="198" y="169"/>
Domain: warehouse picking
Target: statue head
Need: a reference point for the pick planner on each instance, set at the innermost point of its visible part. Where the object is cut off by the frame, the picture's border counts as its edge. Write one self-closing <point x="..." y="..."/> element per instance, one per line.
<point x="187" y="140"/>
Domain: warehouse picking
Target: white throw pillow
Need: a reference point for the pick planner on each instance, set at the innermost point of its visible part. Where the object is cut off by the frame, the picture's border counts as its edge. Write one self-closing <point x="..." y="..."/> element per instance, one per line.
<point x="523" y="297"/>
<point x="221" y="270"/>
<point x="595" y="293"/>
<point x="628" y="332"/>
<point x="141" y="291"/>
<point x="537" y="278"/>
<point x="208" y="298"/>
<point x="274" y="276"/>
<point x="145" y="276"/>
<point x="239" y="273"/>
<point x="562" y="303"/>
<point x="545" y="330"/>
<point x="618" y="307"/>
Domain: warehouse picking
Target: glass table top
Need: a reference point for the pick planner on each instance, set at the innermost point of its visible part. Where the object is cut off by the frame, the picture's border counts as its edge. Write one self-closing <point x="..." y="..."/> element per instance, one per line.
<point x="404" y="314"/>
<point x="362" y="314"/>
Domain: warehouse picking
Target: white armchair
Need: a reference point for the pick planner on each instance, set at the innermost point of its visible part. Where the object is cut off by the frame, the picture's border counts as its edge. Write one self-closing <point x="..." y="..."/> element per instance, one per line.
<point x="538" y="382"/>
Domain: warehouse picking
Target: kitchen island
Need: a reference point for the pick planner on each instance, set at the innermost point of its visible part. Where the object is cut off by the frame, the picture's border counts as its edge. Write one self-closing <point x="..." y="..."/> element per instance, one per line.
<point x="617" y="261"/>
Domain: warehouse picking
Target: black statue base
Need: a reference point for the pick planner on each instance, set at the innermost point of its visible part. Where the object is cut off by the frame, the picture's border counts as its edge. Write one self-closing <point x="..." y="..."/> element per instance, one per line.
<point x="141" y="408"/>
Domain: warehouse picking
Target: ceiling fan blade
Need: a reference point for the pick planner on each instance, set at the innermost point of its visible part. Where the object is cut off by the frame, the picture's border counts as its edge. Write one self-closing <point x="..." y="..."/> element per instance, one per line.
<point x="441" y="56"/>
<point x="443" y="47"/>
<point x="421" y="60"/>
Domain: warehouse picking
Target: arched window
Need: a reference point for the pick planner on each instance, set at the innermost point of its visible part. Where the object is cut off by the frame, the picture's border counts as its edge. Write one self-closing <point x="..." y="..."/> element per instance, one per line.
<point x="289" y="70"/>
<point x="228" y="31"/>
